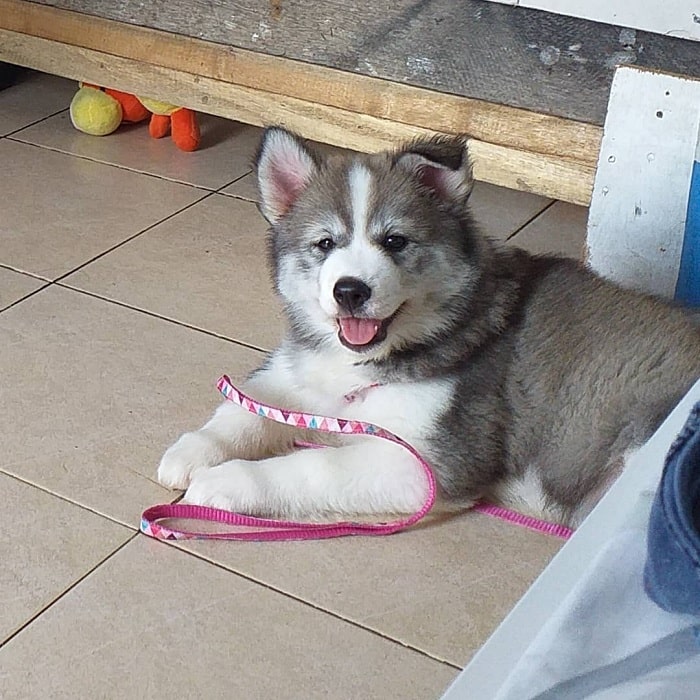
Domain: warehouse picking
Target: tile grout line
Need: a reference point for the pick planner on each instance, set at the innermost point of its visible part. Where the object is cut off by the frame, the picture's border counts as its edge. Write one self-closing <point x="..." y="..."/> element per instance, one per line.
<point x="33" y="275"/>
<point x="26" y="296"/>
<point x="34" y="123"/>
<point x="314" y="606"/>
<point x="533" y="218"/>
<point x="66" y="591"/>
<point x="233" y="182"/>
<point x="78" y="504"/>
<point x="237" y="197"/>
<point x="71" y="154"/>
<point x="206" y="195"/>
<point x="153" y="314"/>
<point x="56" y="282"/>
<point x="12" y="136"/>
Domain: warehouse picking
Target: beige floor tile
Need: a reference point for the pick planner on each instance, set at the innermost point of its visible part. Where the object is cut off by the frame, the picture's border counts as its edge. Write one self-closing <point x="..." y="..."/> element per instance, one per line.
<point x="499" y="212"/>
<point x="93" y="393"/>
<point x="561" y="229"/>
<point x="60" y="211"/>
<point x="243" y="188"/>
<point x="14" y="286"/>
<point x="224" y="154"/>
<point x="47" y="545"/>
<point x="206" y="267"/>
<point x="441" y="589"/>
<point x="35" y="96"/>
<point x="153" y="622"/>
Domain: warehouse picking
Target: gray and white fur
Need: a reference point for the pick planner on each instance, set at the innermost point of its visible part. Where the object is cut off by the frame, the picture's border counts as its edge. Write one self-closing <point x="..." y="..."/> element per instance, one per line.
<point x="522" y="379"/>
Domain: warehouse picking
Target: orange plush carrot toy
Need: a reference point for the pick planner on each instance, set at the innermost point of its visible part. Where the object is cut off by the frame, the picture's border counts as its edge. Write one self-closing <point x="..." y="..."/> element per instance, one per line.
<point x="179" y="121"/>
<point x="133" y="110"/>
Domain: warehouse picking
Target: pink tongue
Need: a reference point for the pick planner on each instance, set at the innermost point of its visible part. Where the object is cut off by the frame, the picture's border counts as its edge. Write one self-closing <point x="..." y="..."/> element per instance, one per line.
<point x="359" y="331"/>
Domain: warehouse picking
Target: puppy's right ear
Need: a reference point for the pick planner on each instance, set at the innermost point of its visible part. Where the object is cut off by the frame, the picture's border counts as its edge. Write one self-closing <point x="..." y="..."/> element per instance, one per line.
<point x="284" y="167"/>
<point x="442" y="165"/>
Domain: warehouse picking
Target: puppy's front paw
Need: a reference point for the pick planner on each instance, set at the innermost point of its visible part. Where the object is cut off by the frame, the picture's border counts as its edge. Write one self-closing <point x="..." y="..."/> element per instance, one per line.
<point x="192" y="453"/>
<point x="230" y="486"/>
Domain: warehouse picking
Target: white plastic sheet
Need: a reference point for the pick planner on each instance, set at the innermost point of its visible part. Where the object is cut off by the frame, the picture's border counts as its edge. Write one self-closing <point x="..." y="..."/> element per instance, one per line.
<point x="609" y="641"/>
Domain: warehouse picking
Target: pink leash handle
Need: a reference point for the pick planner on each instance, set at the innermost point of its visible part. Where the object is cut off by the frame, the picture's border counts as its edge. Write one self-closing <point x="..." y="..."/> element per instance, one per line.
<point x="267" y="529"/>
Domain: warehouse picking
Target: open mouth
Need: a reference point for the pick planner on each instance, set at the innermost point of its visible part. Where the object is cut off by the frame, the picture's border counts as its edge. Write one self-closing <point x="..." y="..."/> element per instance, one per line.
<point x="362" y="333"/>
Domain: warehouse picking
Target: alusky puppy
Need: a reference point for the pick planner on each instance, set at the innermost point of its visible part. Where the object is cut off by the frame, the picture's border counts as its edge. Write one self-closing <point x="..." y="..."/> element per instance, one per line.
<point x="521" y="379"/>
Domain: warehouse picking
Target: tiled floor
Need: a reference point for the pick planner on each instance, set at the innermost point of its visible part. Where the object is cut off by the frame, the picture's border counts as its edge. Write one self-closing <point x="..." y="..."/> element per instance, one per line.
<point x="131" y="276"/>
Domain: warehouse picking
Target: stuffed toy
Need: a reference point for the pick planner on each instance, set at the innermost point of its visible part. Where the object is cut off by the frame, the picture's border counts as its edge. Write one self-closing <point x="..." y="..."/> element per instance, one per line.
<point x="100" y="111"/>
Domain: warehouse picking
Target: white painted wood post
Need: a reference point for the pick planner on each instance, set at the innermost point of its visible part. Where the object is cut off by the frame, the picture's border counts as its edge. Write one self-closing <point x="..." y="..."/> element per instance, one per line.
<point x="641" y="196"/>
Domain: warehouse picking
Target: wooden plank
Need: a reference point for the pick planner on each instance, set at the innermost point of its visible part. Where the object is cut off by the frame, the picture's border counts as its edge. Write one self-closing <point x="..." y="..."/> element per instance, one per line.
<point x="547" y="175"/>
<point x="507" y="55"/>
<point x="497" y="124"/>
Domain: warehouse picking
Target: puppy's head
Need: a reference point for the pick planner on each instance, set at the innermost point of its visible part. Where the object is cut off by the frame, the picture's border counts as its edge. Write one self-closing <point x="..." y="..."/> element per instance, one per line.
<point x="372" y="252"/>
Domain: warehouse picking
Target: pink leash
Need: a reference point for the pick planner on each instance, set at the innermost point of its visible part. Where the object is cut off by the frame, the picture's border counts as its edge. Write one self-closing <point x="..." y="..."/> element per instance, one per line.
<point x="259" y="529"/>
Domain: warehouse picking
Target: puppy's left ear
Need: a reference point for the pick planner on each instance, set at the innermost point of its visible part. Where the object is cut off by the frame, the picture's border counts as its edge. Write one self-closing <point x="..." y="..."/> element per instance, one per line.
<point x="442" y="165"/>
<point x="284" y="167"/>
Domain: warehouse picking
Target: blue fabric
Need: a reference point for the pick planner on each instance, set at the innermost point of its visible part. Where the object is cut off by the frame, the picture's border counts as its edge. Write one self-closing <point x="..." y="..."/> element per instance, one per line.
<point x="672" y="569"/>
<point x="688" y="283"/>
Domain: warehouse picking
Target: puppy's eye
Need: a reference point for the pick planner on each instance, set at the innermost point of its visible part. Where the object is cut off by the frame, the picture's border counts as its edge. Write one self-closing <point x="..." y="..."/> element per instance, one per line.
<point x="325" y="244"/>
<point x="394" y="243"/>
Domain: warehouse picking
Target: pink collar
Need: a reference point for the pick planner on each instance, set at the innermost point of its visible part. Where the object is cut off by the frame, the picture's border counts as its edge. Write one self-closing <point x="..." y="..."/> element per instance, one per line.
<point x="257" y="529"/>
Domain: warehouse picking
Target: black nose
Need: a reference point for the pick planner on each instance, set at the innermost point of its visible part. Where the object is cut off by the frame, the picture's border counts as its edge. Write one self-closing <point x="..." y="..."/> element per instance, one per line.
<point x="351" y="293"/>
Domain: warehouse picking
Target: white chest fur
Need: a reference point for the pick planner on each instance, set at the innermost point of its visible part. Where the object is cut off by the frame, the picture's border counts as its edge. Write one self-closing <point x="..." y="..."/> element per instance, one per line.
<point x="334" y="384"/>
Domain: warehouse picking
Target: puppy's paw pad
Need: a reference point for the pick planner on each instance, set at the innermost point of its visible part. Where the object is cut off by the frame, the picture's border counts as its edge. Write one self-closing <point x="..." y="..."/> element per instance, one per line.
<point x="192" y="453"/>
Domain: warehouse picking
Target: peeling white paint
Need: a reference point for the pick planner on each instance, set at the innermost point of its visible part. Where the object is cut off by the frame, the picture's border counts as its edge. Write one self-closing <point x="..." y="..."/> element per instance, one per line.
<point x="679" y="34"/>
<point x="420" y="65"/>
<point x="370" y="68"/>
<point x="264" y="33"/>
<point x="620" y="58"/>
<point x="550" y="55"/>
<point x="628" y="37"/>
